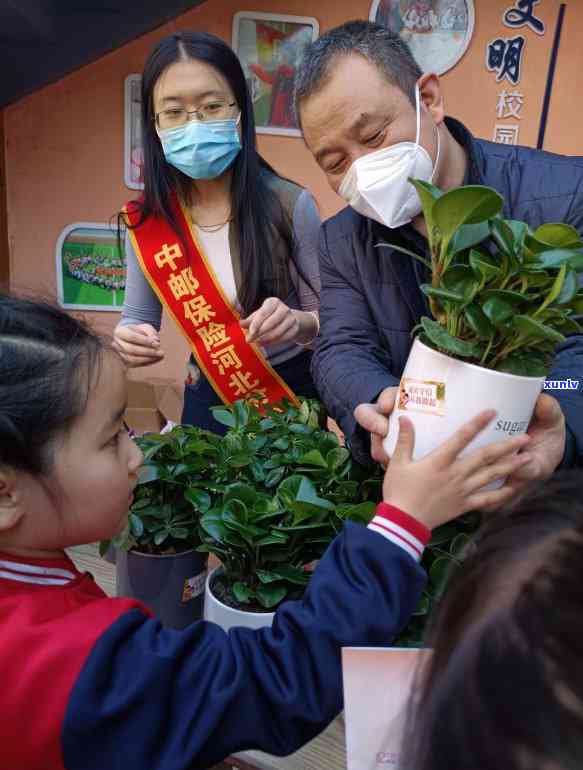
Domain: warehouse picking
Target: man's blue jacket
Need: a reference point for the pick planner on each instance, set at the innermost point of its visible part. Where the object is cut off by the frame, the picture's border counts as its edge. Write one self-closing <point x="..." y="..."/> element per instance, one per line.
<point x="371" y="298"/>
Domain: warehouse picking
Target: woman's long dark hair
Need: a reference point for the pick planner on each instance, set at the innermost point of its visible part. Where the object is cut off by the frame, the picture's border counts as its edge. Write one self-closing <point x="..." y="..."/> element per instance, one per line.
<point x="504" y="688"/>
<point x="258" y="214"/>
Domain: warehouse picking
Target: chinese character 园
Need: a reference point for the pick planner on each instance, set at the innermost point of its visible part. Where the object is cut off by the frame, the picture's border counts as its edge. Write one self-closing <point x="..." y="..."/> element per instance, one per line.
<point x="505" y="133"/>
<point x="504" y="56"/>
<point x="522" y="15"/>
<point x="509" y="104"/>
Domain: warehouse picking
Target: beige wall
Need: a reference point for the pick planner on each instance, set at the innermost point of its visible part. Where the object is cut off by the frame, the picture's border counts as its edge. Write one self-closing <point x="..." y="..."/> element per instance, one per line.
<point x="64" y="144"/>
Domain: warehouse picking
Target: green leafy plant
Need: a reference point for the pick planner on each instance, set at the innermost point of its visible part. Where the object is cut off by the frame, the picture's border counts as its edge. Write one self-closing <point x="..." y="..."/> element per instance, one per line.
<point x="282" y="488"/>
<point x="502" y="296"/>
<point x="444" y="554"/>
<point x="170" y="496"/>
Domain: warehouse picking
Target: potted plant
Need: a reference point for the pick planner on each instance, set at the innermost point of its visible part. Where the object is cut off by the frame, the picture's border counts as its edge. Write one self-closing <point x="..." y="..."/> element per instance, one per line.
<point x="502" y="298"/>
<point x="157" y="560"/>
<point x="282" y="488"/>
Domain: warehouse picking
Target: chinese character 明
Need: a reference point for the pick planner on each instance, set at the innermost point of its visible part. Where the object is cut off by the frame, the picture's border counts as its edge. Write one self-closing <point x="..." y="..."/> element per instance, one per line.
<point x="241" y="383"/>
<point x="168" y="256"/>
<point x="509" y="104"/>
<point x="522" y="15"/>
<point x="183" y="284"/>
<point x="213" y="335"/>
<point x="505" y="57"/>
<point x="198" y="310"/>
<point x="226" y="358"/>
<point x="506" y="134"/>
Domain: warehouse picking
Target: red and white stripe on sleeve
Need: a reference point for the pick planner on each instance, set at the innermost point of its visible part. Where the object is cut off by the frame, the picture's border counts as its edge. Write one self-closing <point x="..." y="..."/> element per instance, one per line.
<point x="401" y="529"/>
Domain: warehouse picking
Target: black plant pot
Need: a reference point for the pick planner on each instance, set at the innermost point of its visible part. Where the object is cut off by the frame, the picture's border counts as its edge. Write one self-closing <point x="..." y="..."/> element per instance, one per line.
<point x="172" y="586"/>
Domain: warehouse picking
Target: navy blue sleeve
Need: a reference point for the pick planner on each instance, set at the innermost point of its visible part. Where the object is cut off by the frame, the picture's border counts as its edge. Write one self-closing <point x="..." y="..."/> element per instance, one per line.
<point x="159" y="699"/>
<point x="350" y="365"/>
<point x="568" y="365"/>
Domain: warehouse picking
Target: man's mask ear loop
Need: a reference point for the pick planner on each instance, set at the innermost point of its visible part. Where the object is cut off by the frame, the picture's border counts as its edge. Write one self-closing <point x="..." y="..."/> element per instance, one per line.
<point x="418" y="109"/>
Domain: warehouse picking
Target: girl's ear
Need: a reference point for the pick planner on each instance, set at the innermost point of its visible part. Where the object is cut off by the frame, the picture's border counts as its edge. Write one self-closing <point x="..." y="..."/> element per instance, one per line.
<point x="11" y="511"/>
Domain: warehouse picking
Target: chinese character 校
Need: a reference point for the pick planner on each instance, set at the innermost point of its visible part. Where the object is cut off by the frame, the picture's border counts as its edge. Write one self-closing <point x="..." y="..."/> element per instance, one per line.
<point x="509" y="104"/>
<point x="522" y="15"/>
<point x="505" y="133"/>
<point x="504" y="56"/>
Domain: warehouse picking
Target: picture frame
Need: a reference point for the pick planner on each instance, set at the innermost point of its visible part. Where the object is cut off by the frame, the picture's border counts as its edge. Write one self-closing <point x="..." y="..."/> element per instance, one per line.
<point x="133" y="148"/>
<point x="269" y="47"/>
<point x="438" y="32"/>
<point x="90" y="270"/>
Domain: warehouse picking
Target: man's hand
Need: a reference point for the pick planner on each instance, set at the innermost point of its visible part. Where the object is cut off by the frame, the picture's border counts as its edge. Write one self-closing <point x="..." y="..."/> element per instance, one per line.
<point x="546" y="447"/>
<point x="374" y="418"/>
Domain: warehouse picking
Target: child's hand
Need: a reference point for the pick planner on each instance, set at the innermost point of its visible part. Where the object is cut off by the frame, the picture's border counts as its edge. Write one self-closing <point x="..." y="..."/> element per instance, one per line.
<point x="442" y="485"/>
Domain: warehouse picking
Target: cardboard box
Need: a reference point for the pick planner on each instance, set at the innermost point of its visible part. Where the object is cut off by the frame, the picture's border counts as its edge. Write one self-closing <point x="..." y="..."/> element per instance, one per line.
<point x="152" y="403"/>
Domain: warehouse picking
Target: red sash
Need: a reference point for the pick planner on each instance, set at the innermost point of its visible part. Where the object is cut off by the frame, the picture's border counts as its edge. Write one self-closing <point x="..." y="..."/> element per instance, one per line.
<point x="188" y="289"/>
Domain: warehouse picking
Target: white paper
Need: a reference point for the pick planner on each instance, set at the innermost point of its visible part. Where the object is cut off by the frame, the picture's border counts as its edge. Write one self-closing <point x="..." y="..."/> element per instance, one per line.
<point x="377" y="687"/>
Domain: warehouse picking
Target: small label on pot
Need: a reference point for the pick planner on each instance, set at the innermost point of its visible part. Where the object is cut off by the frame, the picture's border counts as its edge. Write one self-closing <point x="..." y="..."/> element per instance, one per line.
<point x="426" y="396"/>
<point x="193" y="587"/>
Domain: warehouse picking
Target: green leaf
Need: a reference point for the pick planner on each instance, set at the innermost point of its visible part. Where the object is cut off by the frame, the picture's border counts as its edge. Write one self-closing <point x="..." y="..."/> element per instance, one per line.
<point x="497" y="310"/>
<point x="531" y="365"/>
<point x="104" y="547"/>
<point x="461" y="280"/>
<point x="136" y="525"/>
<point x="242" y="593"/>
<point x="161" y="536"/>
<point x="560" y="236"/>
<point x="212" y="524"/>
<point x="241" y="413"/>
<point x="423" y="606"/>
<point x="478" y="322"/>
<point x="313" y="457"/>
<point x="307" y="494"/>
<point x="444" y="341"/>
<point x="556" y="258"/>
<point x="514" y="298"/>
<point x="569" y="288"/>
<point x="200" y="499"/>
<point x="180" y="533"/>
<point x="240" y="460"/>
<point x="440" y="573"/>
<point x="224" y="416"/>
<point x="336" y="458"/>
<point x="466" y="205"/>
<point x="270" y="595"/>
<point x="275" y="538"/>
<point x="274" y="477"/>
<point x="442" y="294"/>
<point x="428" y="194"/>
<point x="282" y="444"/>
<point x="530" y="327"/>
<point x="483" y="266"/>
<point x="468" y="236"/>
<point x="244" y="493"/>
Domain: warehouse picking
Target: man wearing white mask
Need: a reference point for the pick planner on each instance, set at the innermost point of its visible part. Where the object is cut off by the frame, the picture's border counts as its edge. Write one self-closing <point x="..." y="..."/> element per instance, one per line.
<point x="372" y="119"/>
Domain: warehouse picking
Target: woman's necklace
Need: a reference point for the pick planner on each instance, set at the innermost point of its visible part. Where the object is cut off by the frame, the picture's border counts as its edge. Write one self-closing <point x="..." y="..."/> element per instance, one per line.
<point x="209" y="228"/>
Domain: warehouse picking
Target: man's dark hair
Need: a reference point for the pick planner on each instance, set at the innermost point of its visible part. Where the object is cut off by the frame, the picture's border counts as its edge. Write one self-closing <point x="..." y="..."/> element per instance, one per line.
<point x="373" y="42"/>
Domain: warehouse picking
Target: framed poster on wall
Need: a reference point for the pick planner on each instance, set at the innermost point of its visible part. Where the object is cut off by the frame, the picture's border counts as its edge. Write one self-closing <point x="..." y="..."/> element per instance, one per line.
<point x="269" y="47"/>
<point x="133" y="152"/>
<point x="90" y="267"/>
<point x="438" y="32"/>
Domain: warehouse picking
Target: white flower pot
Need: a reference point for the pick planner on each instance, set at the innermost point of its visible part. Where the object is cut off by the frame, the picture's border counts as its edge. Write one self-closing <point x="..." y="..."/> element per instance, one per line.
<point x="228" y="617"/>
<point x="439" y="394"/>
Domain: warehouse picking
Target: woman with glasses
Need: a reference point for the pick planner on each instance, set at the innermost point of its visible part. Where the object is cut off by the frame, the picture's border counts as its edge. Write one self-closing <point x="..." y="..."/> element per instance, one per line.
<point x="219" y="239"/>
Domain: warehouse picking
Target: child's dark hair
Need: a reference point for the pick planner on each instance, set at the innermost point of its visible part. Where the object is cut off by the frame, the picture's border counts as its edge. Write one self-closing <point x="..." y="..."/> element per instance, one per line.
<point x="48" y="361"/>
<point x="504" y="688"/>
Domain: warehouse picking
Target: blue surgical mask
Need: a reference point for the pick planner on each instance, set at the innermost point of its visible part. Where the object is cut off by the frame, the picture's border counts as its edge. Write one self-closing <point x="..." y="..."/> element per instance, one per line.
<point x="202" y="150"/>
